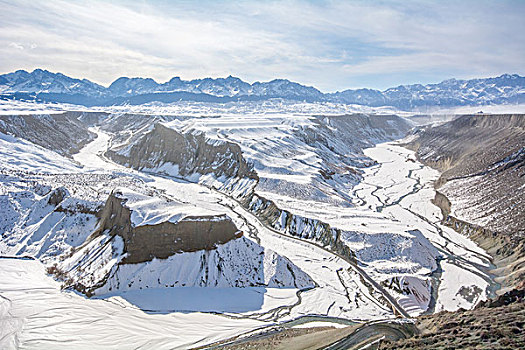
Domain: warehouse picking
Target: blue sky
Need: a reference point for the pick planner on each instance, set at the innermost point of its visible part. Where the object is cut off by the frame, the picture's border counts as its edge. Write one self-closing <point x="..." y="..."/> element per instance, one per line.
<point x="332" y="45"/>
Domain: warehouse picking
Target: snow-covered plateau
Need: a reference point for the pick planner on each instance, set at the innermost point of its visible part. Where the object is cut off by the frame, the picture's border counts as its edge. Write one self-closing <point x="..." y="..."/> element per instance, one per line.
<point x="170" y="231"/>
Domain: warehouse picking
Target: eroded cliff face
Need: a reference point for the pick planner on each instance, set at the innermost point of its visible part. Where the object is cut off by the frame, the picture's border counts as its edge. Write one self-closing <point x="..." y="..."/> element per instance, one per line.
<point x="296" y="225"/>
<point x="194" y="251"/>
<point x="147" y="242"/>
<point x="482" y="158"/>
<point x="185" y="154"/>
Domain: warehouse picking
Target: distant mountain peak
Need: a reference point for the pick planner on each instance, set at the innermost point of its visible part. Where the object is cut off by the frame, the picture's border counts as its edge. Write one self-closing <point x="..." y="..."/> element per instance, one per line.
<point x="57" y="87"/>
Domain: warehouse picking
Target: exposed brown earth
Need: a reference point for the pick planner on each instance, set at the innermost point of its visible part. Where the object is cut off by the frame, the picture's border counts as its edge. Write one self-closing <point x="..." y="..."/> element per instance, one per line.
<point x="498" y="324"/>
<point x="143" y="243"/>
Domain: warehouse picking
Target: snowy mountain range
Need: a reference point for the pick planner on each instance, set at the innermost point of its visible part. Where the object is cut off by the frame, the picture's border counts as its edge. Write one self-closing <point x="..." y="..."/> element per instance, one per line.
<point x="42" y="85"/>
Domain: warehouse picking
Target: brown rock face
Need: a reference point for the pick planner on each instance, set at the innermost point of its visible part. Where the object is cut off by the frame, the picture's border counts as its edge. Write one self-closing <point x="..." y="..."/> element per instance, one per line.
<point x="144" y="243"/>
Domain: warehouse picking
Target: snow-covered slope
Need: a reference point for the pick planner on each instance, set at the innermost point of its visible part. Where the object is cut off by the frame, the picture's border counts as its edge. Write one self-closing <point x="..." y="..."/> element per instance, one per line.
<point x="21" y="155"/>
<point x="62" y="133"/>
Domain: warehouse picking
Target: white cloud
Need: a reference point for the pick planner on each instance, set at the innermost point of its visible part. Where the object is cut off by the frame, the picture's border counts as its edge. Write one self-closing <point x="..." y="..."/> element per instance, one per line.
<point x="332" y="45"/>
<point x="16" y="46"/>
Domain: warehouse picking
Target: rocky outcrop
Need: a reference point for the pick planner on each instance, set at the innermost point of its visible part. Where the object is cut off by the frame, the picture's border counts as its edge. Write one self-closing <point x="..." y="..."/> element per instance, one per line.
<point x="442" y="202"/>
<point x="498" y="325"/>
<point x="144" y="243"/>
<point x="296" y="225"/>
<point x="186" y="154"/>
<point x="510" y="297"/>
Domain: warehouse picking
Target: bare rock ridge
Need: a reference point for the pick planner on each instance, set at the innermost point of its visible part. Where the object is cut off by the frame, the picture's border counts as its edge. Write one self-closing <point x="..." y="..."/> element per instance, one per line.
<point x="144" y="243"/>
<point x="190" y="153"/>
<point x="480" y="191"/>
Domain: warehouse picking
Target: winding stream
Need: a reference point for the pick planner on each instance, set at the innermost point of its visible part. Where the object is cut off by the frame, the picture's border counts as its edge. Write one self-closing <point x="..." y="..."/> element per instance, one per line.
<point x="411" y="203"/>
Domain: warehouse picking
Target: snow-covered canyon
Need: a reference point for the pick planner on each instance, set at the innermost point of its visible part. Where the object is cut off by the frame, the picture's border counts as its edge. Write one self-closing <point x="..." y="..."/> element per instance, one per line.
<point x="404" y="261"/>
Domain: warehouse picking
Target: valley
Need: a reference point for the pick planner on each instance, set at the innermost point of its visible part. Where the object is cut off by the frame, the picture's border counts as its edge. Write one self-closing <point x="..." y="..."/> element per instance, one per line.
<point x="277" y="175"/>
<point x="328" y="223"/>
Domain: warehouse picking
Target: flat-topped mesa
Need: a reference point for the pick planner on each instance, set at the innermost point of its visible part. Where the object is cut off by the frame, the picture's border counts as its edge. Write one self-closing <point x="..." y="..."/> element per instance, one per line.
<point x="162" y="240"/>
<point x="165" y="150"/>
